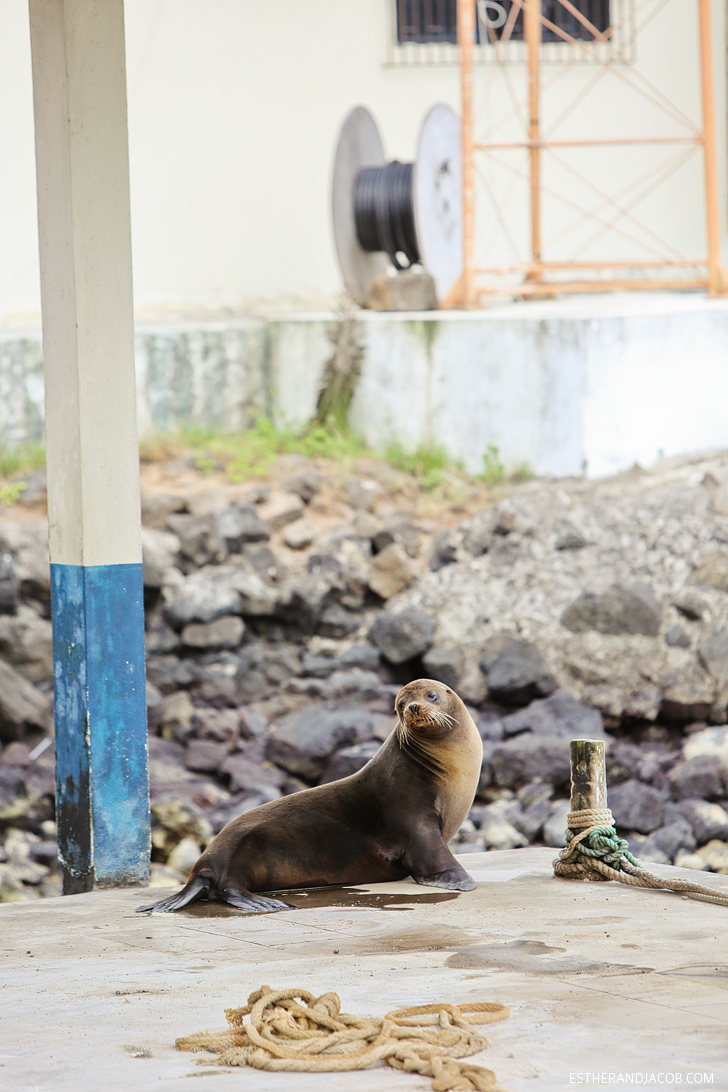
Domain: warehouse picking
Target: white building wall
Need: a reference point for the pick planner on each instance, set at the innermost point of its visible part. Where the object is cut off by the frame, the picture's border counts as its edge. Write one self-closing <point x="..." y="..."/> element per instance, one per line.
<point x="234" y="107"/>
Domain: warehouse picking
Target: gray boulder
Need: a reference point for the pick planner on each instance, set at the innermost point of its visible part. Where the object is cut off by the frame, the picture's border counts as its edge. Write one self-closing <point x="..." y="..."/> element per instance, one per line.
<point x="558" y="715"/>
<point x="701" y="776"/>
<point x="21" y="705"/>
<point x="200" y="541"/>
<point x="240" y="524"/>
<point x="302" y="743"/>
<point x="622" y="608"/>
<point x="515" y="671"/>
<point x="202" y="597"/>
<point x="636" y="806"/>
<point x="349" y="760"/>
<point x="708" y="821"/>
<point x="400" y="637"/>
<point x="528" y="756"/>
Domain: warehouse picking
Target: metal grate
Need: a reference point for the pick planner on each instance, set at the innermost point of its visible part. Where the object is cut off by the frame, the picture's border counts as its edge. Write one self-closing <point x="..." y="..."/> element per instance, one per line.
<point x="430" y="21"/>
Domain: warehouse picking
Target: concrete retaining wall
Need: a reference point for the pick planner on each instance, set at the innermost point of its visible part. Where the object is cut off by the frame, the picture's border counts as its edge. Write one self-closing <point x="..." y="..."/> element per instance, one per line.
<point x="568" y="387"/>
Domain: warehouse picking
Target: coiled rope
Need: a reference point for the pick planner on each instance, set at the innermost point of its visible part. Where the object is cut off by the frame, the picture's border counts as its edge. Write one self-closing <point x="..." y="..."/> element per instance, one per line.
<point x="594" y="852"/>
<point x="384" y="212"/>
<point x="316" y="1037"/>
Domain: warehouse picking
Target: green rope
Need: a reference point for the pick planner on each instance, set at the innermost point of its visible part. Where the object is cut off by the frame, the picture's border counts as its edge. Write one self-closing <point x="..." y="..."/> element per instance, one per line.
<point x="602" y="844"/>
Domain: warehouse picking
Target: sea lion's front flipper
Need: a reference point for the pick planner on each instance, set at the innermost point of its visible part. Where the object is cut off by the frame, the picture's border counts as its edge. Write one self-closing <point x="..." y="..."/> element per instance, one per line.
<point x="193" y="889"/>
<point x="255" y="904"/>
<point x="431" y="863"/>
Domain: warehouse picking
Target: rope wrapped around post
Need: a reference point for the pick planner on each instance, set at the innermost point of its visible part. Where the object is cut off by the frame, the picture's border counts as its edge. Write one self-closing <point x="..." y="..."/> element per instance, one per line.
<point x="593" y="850"/>
<point x="294" y="1030"/>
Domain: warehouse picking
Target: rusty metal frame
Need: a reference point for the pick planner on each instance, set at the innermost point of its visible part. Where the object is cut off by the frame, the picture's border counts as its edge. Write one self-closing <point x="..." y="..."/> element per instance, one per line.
<point x="709" y="272"/>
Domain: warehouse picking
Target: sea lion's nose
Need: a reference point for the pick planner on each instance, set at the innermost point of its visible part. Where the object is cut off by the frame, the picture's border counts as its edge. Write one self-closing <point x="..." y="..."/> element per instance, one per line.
<point x="413" y="707"/>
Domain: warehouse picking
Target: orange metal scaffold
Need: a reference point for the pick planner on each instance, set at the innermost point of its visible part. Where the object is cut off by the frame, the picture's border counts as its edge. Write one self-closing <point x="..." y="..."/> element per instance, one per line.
<point x="707" y="272"/>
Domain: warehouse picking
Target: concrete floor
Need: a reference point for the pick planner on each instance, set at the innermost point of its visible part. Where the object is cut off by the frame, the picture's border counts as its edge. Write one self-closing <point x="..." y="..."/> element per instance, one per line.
<point x="601" y="979"/>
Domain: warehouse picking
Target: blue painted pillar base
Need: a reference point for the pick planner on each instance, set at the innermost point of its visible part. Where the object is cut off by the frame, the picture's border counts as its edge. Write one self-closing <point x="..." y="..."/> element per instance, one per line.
<point x="102" y="782"/>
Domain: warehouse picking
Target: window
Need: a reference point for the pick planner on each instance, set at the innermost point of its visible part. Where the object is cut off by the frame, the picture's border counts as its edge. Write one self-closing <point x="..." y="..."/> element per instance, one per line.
<point x="430" y="21"/>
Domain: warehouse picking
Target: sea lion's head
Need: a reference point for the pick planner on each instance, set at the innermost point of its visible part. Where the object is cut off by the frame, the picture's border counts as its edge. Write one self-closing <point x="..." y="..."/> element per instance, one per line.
<point x="427" y="710"/>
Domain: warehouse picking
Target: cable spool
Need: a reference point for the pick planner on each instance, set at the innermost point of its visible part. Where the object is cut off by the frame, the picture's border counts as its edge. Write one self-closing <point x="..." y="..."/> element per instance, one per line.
<point x="404" y="213"/>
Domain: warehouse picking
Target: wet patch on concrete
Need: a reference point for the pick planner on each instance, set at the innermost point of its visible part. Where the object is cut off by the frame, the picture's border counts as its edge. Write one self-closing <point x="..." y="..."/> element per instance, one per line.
<point x="352" y="898"/>
<point x="528" y="956"/>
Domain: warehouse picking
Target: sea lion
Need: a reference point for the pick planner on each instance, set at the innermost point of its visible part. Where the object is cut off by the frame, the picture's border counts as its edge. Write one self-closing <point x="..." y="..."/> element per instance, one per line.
<point x="392" y="819"/>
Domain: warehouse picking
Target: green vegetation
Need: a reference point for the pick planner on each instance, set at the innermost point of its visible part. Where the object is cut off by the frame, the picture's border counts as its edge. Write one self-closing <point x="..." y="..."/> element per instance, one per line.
<point x="13" y="466"/>
<point x="428" y="464"/>
<point x="493" y="469"/>
<point x="10" y="492"/>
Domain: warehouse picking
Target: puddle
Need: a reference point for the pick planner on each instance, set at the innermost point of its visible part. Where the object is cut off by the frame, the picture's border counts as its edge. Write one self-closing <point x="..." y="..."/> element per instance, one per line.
<point x="527" y="955"/>
<point x="700" y="970"/>
<point x="328" y="897"/>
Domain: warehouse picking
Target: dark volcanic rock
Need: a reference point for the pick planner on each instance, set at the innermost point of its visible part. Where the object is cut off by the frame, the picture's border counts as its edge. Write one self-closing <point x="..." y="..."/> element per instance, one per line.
<point x="21" y="705"/>
<point x="674" y="836"/>
<point x="701" y="776"/>
<point x="204" y="755"/>
<point x="349" y="760"/>
<point x="622" y="608"/>
<point x="303" y="742"/>
<point x="200" y="540"/>
<point x="445" y="665"/>
<point x="530" y="756"/>
<point x="558" y="715"/>
<point x="515" y="671"/>
<point x="250" y="776"/>
<point x="8" y="585"/>
<point x="708" y="821"/>
<point x="202" y="597"/>
<point x="636" y="806"/>
<point x="713" y="654"/>
<point x="225" y="632"/>
<point x="677" y="637"/>
<point x="400" y="637"/>
<point x="442" y="549"/>
<point x="240" y="524"/>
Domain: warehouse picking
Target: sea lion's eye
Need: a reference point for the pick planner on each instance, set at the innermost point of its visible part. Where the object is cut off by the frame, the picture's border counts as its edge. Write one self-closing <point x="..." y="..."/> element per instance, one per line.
<point x="432" y="696"/>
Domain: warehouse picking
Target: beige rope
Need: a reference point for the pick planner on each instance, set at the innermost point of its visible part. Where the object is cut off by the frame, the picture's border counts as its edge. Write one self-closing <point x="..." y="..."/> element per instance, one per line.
<point x="316" y="1037"/>
<point x="594" y="821"/>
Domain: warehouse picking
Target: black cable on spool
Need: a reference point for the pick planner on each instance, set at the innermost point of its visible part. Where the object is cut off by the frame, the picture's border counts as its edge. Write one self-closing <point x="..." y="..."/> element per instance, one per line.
<point x="384" y="213"/>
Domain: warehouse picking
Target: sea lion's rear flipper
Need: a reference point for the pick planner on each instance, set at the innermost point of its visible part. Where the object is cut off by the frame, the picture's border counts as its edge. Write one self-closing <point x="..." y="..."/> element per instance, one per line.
<point x="255" y="904"/>
<point x="431" y="863"/>
<point x="193" y="889"/>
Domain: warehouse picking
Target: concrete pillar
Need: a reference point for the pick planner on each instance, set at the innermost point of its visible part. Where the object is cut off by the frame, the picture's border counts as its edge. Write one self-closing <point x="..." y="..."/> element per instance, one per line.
<point x="102" y="793"/>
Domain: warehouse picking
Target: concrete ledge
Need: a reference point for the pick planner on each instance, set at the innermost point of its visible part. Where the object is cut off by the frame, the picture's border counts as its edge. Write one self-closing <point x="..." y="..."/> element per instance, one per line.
<point x="568" y="387"/>
<point x="600" y="978"/>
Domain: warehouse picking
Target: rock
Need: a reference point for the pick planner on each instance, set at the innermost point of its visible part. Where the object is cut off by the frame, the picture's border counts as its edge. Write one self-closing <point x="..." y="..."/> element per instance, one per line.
<point x="184" y="856"/>
<point x="515" y="671"/>
<point x="28" y="544"/>
<point x="407" y="290"/>
<point x="166" y="765"/>
<point x="713" y="654"/>
<point x="303" y="600"/>
<point x="176" y="717"/>
<point x="700" y="776"/>
<point x="202" y="597"/>
<point x="571" y="538"/>
<point x="528" y="756"/>
<point x="686" y="702"/>
<point x="337" y="621"/>
<point x="225" y="632"/>
<point x="200" y="541"/>
<point x="691" y="860"/>
<point x="647" y="849"/>
<point x="16" y="754"/>
<point x="692" y="605"/>
<point x="557" y="715"/>
<point x="445" y="665"/>
<point x="218" y="725"/>
<point x="496" y="829"/>
<point x="362" y="493"/>
<point x="442" y="549"/>
<point x="713" y="571"/>
<point x="400" y="532"/>
<point x="711" y="742"/>
<point x="676" y="637"/>
<point x="530" y="820"/>
<point x="716" y="854"/>
<point x="342" y="561"/>
<point x="707" y="820"/>
<point x="207" y="502"/>
<point x="636" y="806"/>
<point x="159" y="551"/>
<point x="9" y="592"/>
<point x="674" y="836"/>
<point x="280" y="509"/>
<point x="554" y="830"/>
<point x="299" y="535"/>
<point x="156" y="509"/>
<point x="241" y="524"/>
<point x="26" y="641"/>
<point x="21" y="705"/>
<point x="303" y="742"/>
<point x="161" y="875"/>
<point x="349" y="760"/>
<point x="402" y="636"/>
<point x="205" y="755"/>
<point x="390" y="572"/>
<point x="306" y="483"/>
<point x="478" y="532"/>
<point x="364" y="657"/>
<point x="258" y="599"/>
<point x="173" y="819"/>
<point x="250" y="776"/>
<point x="12" y="889"/>
<point x="622" y="608"/>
